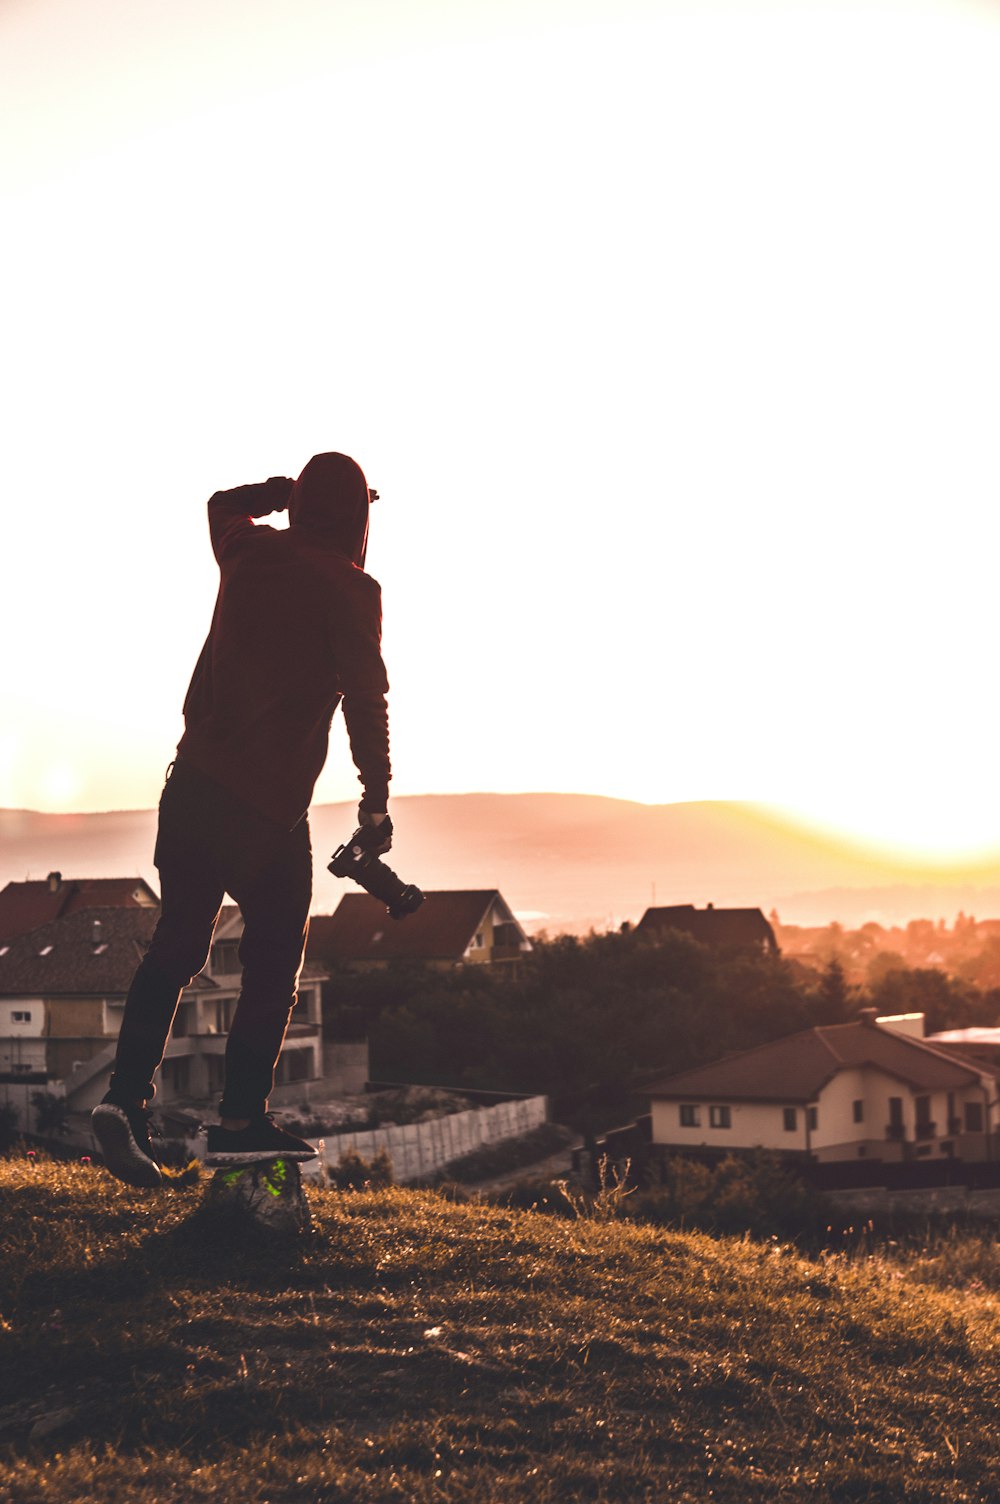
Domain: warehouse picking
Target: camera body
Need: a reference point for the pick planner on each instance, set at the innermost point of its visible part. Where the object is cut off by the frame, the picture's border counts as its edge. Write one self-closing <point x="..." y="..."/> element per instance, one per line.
<point x="358" y="860"/>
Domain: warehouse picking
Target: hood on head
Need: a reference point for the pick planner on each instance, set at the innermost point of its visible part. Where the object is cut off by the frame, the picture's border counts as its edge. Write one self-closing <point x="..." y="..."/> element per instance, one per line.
<point x="330" y="501"/>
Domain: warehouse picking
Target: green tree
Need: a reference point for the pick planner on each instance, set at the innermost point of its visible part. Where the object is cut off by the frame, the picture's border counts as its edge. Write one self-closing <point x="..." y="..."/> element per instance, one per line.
<point x="9" y="1130"/>
<point x="946" y="1002"/>
<point x="51" y="1113"/>
<point x="833" y="998"/>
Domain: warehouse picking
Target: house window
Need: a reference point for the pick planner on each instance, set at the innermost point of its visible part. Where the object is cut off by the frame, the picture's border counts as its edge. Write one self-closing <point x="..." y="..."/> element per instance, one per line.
<point x="812" y="1117"/>
<point x="293" y="1065"/>
<point x="478" y="942"/>
<point x="19" y="1068"/>
<point x="226" y="957"/>
<point x="690" y="1115"/>
<point x="791" y="1119"/>
<point x="720" y="1117"/>
<point x="858" y="1109"/>
<point x="216" y="1072"/>
<point x="21" y="1016"/>
<point x="177" y="1073"/>
<point x="896" y="1129"/>
<point x="973" y="1117"/>
<point x="925" y="1128"/>
<point x="224" y="1010"/>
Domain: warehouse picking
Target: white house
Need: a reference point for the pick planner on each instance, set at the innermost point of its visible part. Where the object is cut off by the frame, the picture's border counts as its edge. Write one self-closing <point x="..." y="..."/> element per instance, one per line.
<point x="872" y="1089"/>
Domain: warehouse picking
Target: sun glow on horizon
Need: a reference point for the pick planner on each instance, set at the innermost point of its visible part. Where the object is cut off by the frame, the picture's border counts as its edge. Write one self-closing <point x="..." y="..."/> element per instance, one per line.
<point x="934" y="838"/>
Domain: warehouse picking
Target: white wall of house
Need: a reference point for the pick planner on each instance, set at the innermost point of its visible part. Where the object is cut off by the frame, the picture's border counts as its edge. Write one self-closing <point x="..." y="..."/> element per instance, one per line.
<point x="21" y="1018"/>
<point x="22" y="1046"/>
<point x="751" y="1125"/>
<point x="835" y="1123"/>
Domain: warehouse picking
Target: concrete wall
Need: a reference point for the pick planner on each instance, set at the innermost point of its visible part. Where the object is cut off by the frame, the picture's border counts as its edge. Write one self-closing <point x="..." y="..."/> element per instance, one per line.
<point x="945" y="1200"/>
<point x="419" y="1149"/>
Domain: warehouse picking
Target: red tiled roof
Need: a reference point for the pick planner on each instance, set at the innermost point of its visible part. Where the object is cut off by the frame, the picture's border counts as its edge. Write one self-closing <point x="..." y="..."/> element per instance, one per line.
<point x="26" y="905"/>
<point x="70" y="956"/>
<point x="796" y="1068"/>
<point x="440" y="930"/>
<point x="711" y="926"/>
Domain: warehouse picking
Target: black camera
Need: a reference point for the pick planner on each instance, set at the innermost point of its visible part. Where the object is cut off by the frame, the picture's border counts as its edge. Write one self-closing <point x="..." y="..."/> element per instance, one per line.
<point x="358" y="859"/>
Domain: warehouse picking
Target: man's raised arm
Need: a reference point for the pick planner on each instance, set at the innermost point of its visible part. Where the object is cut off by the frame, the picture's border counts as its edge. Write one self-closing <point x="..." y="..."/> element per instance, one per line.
<point x="231" y="513"/>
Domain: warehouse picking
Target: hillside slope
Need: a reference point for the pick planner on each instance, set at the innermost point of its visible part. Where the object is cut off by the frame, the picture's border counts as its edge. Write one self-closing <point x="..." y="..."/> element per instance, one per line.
<point x="568" y="861"/>
<point x="417" y="1350"/>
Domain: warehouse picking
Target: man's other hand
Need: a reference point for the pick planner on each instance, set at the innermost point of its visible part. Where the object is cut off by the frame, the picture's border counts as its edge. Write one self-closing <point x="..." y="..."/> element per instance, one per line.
<point x="366" y="817"/>
<point x="279" y="489"/>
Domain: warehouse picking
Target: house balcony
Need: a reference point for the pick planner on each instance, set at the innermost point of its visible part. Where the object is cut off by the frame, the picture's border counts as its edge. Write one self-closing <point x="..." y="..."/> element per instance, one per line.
<point x="926" y="1130"/>
<point x="896" y="1131"/>
<point x="506" y="953"/>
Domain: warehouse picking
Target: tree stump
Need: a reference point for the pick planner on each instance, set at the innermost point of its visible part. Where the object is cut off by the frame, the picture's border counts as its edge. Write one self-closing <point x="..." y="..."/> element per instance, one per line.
<point x="267" y="1195"/>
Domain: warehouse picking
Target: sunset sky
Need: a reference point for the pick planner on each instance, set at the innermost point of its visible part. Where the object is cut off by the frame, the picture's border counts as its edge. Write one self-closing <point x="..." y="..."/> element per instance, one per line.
<point x="669" y="333"/>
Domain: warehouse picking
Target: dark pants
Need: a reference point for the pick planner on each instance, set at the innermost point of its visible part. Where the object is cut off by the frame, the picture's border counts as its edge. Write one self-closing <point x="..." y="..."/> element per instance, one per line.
<point x="210" y="843"/>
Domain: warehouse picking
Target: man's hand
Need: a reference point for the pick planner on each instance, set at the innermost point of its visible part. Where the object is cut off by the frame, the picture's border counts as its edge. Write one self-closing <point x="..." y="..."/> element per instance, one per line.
<point x="278" y="488"/>
<point x="367" y="817"/>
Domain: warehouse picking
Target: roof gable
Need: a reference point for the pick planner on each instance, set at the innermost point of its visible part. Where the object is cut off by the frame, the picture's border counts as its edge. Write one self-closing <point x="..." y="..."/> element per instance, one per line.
<point x="741" y="928"/>
<point x="797" y="1067"/>
<point x="441" y="929"/>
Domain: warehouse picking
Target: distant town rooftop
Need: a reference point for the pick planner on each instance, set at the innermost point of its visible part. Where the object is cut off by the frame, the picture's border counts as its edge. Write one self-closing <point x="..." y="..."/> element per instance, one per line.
<point x="740" y="929"/>
<point x="26" y="905"/>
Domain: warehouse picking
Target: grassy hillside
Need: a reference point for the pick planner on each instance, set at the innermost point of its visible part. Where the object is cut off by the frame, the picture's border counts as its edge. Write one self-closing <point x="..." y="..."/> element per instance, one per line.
<point x="413" y="1349"/>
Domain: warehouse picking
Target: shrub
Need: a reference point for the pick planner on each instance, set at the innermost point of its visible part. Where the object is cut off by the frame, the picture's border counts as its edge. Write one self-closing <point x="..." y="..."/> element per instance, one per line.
<point x="533" y="1195"/>
<point x="755" y="1194"/>
<point x="9" y="1130"/>
<point x="354" y="1173"/>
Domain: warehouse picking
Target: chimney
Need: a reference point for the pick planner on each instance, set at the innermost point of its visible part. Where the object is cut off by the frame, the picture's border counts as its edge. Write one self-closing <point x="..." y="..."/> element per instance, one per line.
<point x="97" y="933"/>
<point x="869" y="1017"/>
<point x="710" y="906"/>
<point x="54" y="881"/>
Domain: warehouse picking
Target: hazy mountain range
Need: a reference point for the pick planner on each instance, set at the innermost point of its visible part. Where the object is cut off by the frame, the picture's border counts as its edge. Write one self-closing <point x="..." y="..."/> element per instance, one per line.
<point x="566" y="862"/>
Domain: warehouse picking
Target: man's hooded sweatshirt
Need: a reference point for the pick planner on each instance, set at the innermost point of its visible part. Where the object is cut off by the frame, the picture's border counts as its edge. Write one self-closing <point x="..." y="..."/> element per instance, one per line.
<point x="296" y="630"/>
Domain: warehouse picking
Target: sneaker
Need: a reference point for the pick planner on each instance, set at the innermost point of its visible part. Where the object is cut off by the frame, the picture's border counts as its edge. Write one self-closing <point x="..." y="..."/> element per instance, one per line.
<point x="262" y="1140"/>
<point x="123" y="1134"/>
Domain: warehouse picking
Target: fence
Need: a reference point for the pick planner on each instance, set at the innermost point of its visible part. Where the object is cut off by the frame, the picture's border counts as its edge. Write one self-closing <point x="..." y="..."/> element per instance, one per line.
<point x="420" y="1149"/>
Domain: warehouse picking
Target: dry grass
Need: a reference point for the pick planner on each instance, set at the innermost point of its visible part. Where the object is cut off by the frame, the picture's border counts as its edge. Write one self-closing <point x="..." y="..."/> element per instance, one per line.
<point x="413" y="1349"/>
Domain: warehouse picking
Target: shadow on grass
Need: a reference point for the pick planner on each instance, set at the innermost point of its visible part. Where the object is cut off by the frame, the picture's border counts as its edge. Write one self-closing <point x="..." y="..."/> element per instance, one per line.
<point x="209" y="1248"/>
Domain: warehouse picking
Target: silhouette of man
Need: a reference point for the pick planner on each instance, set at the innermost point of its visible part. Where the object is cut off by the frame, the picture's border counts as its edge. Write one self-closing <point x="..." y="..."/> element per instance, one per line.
<point x="296" y="632"/>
